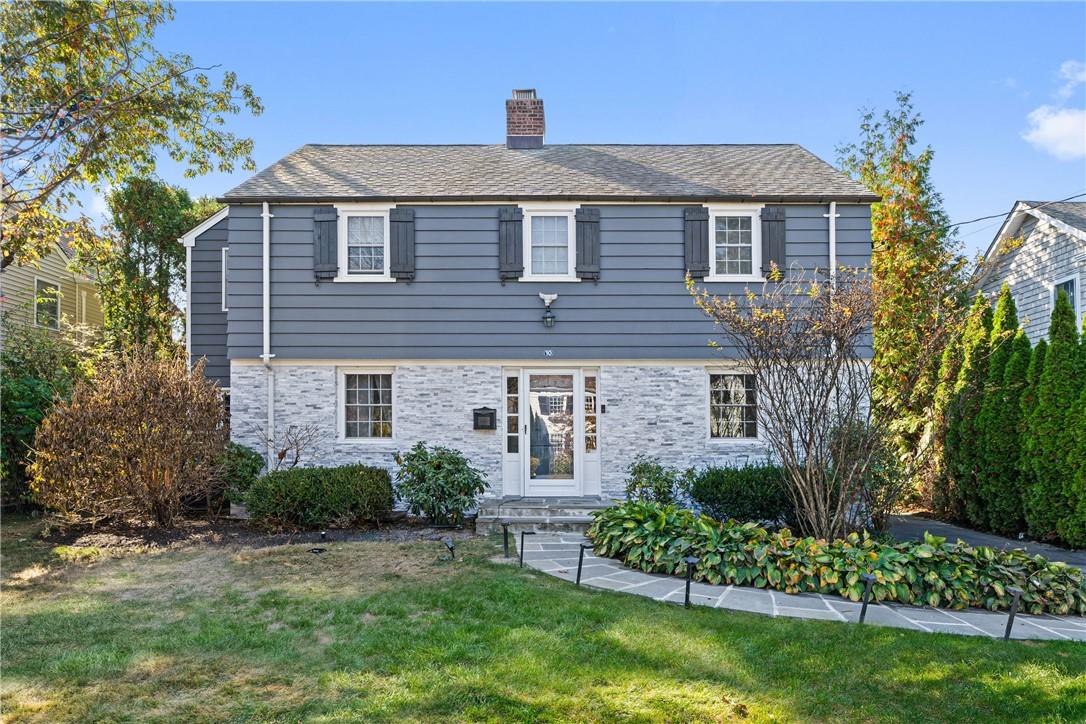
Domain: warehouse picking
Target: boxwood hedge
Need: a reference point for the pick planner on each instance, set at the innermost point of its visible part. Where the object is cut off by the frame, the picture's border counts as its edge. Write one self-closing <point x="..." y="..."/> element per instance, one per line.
<point x="655" y="538"/>
<point x="321" y="497"/>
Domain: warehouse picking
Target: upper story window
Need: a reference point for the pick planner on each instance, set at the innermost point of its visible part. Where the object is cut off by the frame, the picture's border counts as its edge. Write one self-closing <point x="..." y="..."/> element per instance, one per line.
<point x="225" y="270"/>
<point x="46" y="304"/>
<point x="736" y="241"/>
<point x="1068" y="286"/>
<point x="549" y="239"/>
<point x="363" y="243"/>
<point x="733" y="406"/>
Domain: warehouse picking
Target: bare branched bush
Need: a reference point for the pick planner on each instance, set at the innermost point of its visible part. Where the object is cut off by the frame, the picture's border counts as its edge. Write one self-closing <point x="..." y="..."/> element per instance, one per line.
<point x="289" y="445"/>
<point x="133" y="444"/>
<point x="807" y="344"/>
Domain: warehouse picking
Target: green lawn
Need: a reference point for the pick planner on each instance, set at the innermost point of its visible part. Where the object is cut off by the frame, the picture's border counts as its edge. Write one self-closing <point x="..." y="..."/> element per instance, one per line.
<point x="393" y="632"/>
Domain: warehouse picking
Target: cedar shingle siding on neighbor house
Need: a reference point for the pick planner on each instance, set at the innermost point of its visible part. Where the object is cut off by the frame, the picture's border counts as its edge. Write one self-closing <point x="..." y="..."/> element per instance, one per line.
<point x="1039" y="245"/>
<point x="458" y="318"/>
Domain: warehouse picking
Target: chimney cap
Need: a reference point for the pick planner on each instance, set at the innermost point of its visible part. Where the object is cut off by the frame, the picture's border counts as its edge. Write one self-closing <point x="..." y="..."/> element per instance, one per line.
<point x="524" y="94"/>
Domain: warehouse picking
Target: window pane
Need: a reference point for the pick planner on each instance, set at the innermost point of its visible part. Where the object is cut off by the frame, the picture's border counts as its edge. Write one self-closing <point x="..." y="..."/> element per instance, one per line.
<point x="47" y="305"/>
<point x="365" y="244"/>
<point x="1069" y="288"/>
<point x="733" y="410"/>
<point x="733" y="245"/>
<point x="550" y="244"/>
<point x="368" y="405"/>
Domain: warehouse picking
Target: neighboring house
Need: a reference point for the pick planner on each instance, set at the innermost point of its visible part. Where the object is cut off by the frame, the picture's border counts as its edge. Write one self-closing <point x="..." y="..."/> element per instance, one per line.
<point x="1040" y="249"/>
<point x="387" y="294"/>
<point x="49" y="294"/>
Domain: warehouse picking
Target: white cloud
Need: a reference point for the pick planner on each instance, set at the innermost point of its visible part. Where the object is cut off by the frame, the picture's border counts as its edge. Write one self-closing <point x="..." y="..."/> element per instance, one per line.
<point x="99" y="206"/>
<point x="1060" y="132"/>
<point x="1073" y="74"/>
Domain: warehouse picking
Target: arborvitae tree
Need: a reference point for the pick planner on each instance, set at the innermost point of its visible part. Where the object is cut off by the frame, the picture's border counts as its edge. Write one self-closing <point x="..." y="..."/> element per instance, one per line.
<point x="1050" y="425"/>
<point x="963" y="433"/>
<point x="1002" y="484"/>
<point x="992" y="453"/>
<point x="1074" y="528"/>
<point x="938" y="480"/>
<point x="1026" y="442"/>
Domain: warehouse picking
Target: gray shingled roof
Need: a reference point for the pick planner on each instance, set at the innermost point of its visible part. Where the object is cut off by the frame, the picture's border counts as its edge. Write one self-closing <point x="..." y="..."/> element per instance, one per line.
<point x="494" y="172"/>
<point x="1069" y="212"/>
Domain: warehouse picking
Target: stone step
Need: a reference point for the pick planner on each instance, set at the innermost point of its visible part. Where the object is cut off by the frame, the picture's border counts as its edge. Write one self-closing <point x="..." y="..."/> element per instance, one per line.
<point x="553" y="523"/>
<point x="519" y="512"/>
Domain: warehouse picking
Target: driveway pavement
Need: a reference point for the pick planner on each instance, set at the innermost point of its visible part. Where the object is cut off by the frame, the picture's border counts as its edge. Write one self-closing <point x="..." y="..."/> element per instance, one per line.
<point x="912" y="527"/>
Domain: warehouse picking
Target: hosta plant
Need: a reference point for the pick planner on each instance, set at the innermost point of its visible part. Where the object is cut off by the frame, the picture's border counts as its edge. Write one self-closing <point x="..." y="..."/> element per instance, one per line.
<point x="933" y="572"/>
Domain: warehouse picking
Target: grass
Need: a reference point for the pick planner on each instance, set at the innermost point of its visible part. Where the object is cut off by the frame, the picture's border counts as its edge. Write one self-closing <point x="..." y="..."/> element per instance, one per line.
<point x="383" y="632"/>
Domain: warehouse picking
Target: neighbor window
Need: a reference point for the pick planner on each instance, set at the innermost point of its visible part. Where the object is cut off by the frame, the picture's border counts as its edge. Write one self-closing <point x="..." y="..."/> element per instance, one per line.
<point x="367" y="405"/>
<point x="365" y="245"/>
<point x="736" y="243"/>
<point x="548" y="239"/>
<point x="1067" y="286"/>
<point x="733" y="411"/>
<point x="46" y="304"/>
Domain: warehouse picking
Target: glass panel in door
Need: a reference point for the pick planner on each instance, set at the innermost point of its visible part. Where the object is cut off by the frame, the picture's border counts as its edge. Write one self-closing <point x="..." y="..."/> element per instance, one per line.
<point x="550" y="432"/>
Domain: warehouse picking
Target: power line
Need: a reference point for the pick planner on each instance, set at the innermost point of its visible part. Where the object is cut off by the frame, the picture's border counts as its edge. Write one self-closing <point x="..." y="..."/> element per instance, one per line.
<point x="1000" y="216"/>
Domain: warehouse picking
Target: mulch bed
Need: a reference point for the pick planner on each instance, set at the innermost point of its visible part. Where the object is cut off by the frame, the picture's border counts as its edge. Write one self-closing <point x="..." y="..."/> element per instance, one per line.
<point x="231" y="531"/>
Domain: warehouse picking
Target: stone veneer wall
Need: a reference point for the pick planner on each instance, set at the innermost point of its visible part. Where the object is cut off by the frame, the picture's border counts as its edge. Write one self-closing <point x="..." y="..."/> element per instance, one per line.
<point x="659" y="410"/>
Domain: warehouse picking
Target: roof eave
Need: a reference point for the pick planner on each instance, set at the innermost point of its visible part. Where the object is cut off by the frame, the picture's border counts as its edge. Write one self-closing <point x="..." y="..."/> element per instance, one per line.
<point x="646" y="198"/>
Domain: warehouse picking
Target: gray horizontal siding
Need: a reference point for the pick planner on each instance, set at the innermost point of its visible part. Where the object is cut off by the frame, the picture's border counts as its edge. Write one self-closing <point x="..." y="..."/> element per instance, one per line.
<point x="457" y="309"/>
<point x="208" y="333"/>
<point x="1045" y="255"/>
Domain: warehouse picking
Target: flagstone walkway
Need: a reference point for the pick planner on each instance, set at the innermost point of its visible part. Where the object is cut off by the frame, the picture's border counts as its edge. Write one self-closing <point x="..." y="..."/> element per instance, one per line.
<point x="556" y="555"/>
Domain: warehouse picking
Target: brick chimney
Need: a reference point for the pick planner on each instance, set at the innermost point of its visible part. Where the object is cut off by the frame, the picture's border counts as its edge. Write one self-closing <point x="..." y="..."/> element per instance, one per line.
<point x="524" y="124"/>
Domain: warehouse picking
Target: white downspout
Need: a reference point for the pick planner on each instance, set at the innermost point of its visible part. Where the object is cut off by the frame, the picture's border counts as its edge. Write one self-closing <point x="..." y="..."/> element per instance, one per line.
<point x="269" y="372"/>
<point x="833" y="243"/>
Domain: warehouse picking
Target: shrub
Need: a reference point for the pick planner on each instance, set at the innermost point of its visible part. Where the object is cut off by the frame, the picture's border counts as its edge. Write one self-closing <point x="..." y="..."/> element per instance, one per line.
<point x="134" y="443"/>
<point x="437" y="482"/>
<point x="320" y="497"/>
<point x="37" y="369"/>
<point x="649" y="480"/>
<point x="240" y="467"/>
<point x="655" y="538"/>
<point x="750" y="493"/>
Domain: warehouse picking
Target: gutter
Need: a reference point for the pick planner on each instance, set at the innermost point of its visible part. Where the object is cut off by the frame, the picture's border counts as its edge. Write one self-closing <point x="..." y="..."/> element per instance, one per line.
<point x="269" y="372"/>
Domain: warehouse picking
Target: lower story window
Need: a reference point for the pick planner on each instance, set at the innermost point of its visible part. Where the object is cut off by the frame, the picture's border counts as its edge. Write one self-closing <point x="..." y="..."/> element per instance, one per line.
<point x="367" y="405"/>
<point x="733" y="409"/>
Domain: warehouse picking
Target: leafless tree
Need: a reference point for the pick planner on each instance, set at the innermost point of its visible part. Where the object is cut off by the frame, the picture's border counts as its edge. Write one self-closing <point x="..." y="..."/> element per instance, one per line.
<point x="290" y="445"/>
<point x="807" y="343"/>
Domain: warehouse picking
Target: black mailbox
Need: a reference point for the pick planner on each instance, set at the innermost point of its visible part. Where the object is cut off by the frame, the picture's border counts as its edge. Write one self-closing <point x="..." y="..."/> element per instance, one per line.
<point x="485" y="418"/>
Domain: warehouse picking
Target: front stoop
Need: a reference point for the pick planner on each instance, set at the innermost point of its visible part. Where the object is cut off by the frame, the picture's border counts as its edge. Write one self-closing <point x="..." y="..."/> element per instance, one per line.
<point x="561" y="515"/>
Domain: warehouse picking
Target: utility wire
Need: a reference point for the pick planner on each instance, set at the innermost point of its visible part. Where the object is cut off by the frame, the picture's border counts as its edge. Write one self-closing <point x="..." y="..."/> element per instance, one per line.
<point x="1000" y="216"/>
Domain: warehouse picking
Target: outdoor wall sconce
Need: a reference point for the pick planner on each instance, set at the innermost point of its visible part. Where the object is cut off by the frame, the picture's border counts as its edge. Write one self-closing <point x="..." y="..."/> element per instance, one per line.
<point x="484" y="418"/>
<point x="548" y="316"/>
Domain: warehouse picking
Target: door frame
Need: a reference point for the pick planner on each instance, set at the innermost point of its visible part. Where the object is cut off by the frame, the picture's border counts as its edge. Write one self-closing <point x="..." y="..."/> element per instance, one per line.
<point x="575" y="487"/>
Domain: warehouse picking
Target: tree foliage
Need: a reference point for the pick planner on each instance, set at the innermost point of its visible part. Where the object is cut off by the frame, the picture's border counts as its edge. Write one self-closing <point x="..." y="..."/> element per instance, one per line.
<point x="994" y="452"/>
<point x="88" y="101"/>
<point x="1051" y="427"/>
<point x="1002" y="487"/>
<point x="963" y="433"/>
<point x="144" y="271"/>
<point x="917" y="270"/>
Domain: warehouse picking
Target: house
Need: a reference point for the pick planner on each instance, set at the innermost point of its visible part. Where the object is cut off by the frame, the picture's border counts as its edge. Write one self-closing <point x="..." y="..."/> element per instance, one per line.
<point x="1039" y="250"/>
<point x="385" y="294"/>
<point x="50" y="293"/>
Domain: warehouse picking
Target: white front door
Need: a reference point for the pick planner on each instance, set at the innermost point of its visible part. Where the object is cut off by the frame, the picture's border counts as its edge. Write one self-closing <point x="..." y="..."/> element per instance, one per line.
<point x="552" y="437"/>
<point x="552" y="432"/>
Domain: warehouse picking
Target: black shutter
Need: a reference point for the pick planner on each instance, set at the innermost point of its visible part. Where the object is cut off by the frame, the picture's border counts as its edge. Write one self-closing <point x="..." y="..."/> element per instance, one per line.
<point x="325" y="247"/>
<point x="402" y="244"/>
<point x="773" y="249"/>
<point x="696" y="241"/>
<point x="510" y="243"/>
<point x="588" y="244"/>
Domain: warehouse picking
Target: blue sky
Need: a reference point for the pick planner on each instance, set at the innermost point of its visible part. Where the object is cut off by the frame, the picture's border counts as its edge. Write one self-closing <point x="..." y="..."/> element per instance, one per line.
<point x="983" y="75"/>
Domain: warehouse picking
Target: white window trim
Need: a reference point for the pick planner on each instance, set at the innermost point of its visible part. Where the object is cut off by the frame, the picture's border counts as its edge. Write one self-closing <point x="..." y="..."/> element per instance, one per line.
<point x="754" y="211"/>
<point x="1078" y="296"/>
<point x="554" y="209"/>
<point x="56" y="285"/>
<point x="222" y="273"/>
<point x="347" y="210"/>
<point x="709" y="372"/>
<point x="341" y="405"/>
